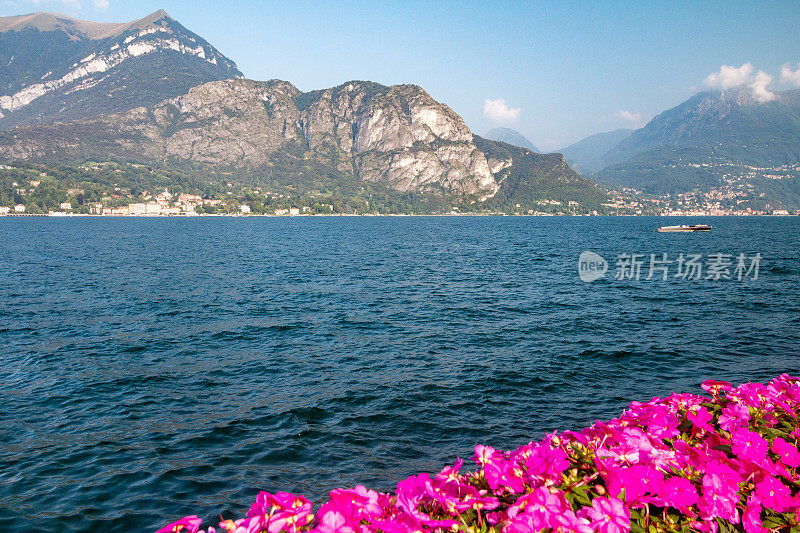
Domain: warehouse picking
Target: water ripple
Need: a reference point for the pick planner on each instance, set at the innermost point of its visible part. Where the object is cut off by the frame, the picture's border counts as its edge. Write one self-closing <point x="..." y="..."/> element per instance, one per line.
<point x="160" y="367"/>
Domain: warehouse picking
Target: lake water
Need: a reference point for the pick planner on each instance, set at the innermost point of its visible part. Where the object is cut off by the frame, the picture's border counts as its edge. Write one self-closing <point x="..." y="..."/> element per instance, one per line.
<point x="153" y="368"/>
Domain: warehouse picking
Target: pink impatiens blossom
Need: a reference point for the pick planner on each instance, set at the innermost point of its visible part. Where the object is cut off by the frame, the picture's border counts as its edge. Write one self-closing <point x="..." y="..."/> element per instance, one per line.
<point x="526" y="523"/>
<point x="751" y="519"/>
<point x="414" y="491"/>
<point x="720" y="493"/>
<point x="450" y="473"/>
<point x="609" y="515"/>
<point x="332" y="521"/>
<point x="636" y="481"/>
<point x="569" y="522"/>
<point x="788" y="454"/>
<point x="733" y="417"/>
<point x="187" y="524"/>
<point x="680" y="493"/>
<point x="700" y="418"/>
<point x="486" y="454"/>
<point x="346" y="510"/>
<point x="715" y="387"/>
<point x="410" y="493"/>
<point x="277" y="512"/>
<point x="705" y="526"/>
<point x="546" y="463"/>
<point x="774" y="494"/>
<point x="749" y="445"/>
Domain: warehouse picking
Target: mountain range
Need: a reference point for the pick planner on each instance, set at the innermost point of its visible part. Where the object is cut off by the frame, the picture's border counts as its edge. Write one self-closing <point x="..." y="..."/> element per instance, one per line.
<point x="151" y="92"/>
<point x="710" y="130"/>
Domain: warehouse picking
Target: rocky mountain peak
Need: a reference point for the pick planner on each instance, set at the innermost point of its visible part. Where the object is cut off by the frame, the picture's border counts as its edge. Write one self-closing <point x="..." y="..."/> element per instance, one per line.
<point x="78" y="29"/>
<point x="53" y="67"/>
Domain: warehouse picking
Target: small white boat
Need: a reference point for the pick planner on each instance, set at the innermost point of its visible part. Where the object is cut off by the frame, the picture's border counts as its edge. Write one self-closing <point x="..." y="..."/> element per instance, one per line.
<point x="685" y="228"/>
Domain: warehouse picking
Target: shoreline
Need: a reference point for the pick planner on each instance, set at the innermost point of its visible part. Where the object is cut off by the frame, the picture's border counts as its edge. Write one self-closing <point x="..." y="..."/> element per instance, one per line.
<point x="338" y="215"/>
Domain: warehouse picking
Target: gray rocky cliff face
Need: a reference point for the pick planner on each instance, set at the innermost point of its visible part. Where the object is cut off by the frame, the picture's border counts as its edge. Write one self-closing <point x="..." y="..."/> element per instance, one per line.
<point x="398" y="135"/>
<point x="395" y="135"/>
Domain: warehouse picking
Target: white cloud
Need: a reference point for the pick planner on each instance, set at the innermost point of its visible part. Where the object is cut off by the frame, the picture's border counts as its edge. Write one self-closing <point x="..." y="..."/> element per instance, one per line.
<point x="101" y="4"/>
<point x="790" y="76"/>
<point x="730" y="76"/>
<point x="627" y="116"/>
<point x="759" y="87"/>
<point x="497" y="111"/>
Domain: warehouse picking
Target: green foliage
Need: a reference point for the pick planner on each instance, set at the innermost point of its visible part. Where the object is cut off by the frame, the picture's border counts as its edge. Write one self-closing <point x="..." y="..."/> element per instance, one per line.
<point x="534" y="178"/>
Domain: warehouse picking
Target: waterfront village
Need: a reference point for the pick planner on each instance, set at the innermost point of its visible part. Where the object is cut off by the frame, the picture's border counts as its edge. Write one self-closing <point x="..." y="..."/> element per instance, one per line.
<point x="37" y="193"/>
<point x="164" y="203"/>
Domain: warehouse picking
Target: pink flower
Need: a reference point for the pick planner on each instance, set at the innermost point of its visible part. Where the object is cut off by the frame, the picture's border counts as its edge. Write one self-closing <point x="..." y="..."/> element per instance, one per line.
<point x="680" y="493"/>
<point x="751" y="394"/>
<point x="456" y="496"/>
<point x="637" y="481"/>
<point x="545" y="462"/>
<point x="450" y="473"/>
<point x="734" y="416"/>
<point x="485" y="454"/>
<point x="705" y="526"/>
<point x="411" y="492"/>
<point x="502" y="474"/>
<point x="749" y="445"/>
<point x="701" y="418"/>
<point x="774" y="494"/>
<point x="751" y="520"/>
<point x="356" y="504"/>
<point x="332" y="521"/>
<point x="609" y="515"/>
<point x="542" y="501"/>
<point x="187" y="524"/>
<point x="720" y="493"/>
<point x="714" y="387"/>
<point x="282" y="511"/>
<point x="526" y="523"/>
<point x="414" y="491"/>
<point x="569" y="522"/>
<point x="789" y="455"/>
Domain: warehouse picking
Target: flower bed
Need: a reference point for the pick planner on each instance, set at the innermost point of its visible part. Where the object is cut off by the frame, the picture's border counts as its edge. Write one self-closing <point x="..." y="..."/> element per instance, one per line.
<point x="683" y="463"/>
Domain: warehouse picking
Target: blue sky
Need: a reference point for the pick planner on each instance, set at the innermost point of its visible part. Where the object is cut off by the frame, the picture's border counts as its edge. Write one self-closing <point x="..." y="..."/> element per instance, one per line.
<point x="563" y="70"/>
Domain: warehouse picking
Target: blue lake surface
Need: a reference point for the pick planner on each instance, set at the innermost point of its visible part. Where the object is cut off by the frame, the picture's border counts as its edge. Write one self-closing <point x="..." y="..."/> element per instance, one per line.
<point x="153" y="368"/>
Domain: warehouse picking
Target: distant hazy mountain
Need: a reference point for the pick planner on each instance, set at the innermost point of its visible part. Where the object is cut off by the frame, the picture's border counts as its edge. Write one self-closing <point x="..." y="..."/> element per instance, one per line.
<point x="711" y="128"/>
<point x="53" y="67"/>
<point x="585" y="156"/>
<point x="509" y="136"/>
